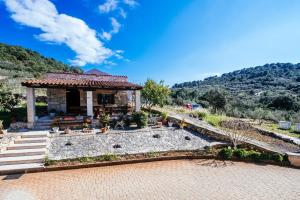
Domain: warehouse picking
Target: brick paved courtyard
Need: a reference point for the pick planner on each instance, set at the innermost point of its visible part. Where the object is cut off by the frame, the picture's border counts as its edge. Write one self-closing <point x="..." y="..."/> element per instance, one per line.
<point x="185" y="179"/>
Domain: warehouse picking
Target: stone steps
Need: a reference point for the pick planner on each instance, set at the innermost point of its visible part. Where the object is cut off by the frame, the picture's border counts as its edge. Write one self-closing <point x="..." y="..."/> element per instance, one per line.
<point x="22" y="160"/>
<point x="35" y="135"/>
<point x="27" y="153"/>
<point x="30" y="140"/>
<point x="26" y="146"/>
<point x="22" y="152"/>
<point x="19" y="168"/>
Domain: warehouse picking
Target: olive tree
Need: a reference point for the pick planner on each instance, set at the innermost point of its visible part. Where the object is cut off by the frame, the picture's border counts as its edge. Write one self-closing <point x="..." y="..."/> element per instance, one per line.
<point x="7" y="99"/>
<point x="216" y="99"/>
<point x="155" y="93"/>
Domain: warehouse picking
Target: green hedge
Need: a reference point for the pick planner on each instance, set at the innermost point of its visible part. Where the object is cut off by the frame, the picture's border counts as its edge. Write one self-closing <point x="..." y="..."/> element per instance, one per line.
<point x="242" y="154"/>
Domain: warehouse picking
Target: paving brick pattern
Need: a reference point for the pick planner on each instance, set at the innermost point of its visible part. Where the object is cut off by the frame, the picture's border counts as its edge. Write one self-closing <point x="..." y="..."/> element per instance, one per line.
<point x="184" y="179"/>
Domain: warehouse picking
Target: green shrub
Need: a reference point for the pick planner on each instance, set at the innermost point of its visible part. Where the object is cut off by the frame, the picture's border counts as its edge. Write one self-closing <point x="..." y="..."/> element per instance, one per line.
<point x="277" y="157"/>
<point x="140" y="118"/>
<point x="108" y="157"/>
<point x="164" y="115"/>
<point x="201" y="115"/>
<point x="254" y="155"/>
<point x="240" y="153"/>
<point x="226" y="153"/>
<point x="214" y="120"/>
<point x="266" y="156"/>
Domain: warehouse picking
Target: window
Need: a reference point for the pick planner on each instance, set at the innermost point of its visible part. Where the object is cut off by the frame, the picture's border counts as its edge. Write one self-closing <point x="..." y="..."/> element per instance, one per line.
<point x="105" y="99"/>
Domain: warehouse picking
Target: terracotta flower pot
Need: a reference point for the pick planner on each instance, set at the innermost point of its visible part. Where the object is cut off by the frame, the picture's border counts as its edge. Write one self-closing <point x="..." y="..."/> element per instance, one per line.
<point x="159" y="124"/>
<point x="103" y="130"/>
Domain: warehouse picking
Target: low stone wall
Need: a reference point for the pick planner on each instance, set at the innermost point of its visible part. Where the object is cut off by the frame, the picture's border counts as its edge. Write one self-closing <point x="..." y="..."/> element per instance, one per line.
<point x="221" y="135"/>
<point x="285" y="138"/>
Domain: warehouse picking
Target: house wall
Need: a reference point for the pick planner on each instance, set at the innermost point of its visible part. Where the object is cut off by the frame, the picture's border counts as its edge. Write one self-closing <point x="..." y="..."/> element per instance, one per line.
<point x="56" y="99"/>
<point x="122" y="98"/>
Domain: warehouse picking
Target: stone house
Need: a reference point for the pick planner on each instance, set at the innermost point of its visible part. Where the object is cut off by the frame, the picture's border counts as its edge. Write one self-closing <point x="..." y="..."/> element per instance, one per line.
<point x="84" y="94"/>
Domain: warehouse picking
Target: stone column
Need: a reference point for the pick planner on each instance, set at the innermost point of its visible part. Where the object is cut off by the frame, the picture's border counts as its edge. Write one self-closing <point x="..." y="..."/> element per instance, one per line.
<point x="30" y="107"/>
<point x="89" y="103"/>
<point x="137" y="100"/>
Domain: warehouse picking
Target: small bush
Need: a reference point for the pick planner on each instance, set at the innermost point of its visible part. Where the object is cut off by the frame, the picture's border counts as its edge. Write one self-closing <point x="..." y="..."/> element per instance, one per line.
<point x="214" y="120"/>
<point x="226" y="153"/>
<point x="164" y="115"/>
<point x="240" y="153"/>
<point x="151" y="154"/>
<point x="108" y="157"/>
<point x="254" y="155"/>
<point x="141" y="119"/>
<point x="201" y="115"/>
<point x="277" y="157"/>
<point x="266" y="156"/>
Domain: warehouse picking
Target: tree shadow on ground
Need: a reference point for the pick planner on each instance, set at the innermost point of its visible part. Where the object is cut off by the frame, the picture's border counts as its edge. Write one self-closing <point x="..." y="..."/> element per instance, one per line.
<point x="214" y="163"/>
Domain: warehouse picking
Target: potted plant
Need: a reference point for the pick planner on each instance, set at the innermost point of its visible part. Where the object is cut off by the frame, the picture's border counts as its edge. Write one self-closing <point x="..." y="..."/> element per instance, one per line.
<point x="182" y="124"/>
<point x="104" y="120"/>
<point x="55" y="129"/>
<point x="67" y="130"/>
<point x="52" y="113"/>
<point x="159" y="124"/>
<point x="141" y="119"/>
<point x="164" y="117"/>
<point x="86" y="128"/>
<point x="1" y="127"/>
<point x="170" y="123"/>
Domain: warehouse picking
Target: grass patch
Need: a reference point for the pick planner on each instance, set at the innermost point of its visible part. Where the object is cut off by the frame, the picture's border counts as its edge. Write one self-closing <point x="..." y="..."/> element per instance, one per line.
<point x="151" y="154"/>
<point x="214" y="120"/>
<point x="275" y="128"/>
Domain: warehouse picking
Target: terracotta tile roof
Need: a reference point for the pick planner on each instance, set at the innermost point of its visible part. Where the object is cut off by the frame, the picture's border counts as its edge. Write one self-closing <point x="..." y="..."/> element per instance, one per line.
<point x="67" y="80"/>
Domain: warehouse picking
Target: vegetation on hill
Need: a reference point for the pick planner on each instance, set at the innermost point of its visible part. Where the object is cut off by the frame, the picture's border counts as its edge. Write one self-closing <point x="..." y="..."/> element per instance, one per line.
<point x="271" y="91"/>
<point x="18" y="63"/>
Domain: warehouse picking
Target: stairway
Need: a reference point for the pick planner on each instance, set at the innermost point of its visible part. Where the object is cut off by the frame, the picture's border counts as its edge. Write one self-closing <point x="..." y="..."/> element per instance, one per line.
<point x="43" y="124"/>
<point x="27" y="153"/>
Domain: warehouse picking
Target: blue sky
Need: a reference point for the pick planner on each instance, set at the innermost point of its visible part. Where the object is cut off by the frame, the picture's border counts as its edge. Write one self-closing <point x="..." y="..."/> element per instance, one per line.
<point x="171" y="40"/>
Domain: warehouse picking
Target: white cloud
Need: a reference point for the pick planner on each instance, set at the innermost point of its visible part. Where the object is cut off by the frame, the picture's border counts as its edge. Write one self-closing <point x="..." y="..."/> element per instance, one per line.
<point x="122" y="13"/>
<point x="115" y="29"/>
<point x="60" y="29"/>
<point x="108" y="6"/>
<point x="115" y="25"/>
<point x="106" y="35"/>
<point x="131" y="3"/>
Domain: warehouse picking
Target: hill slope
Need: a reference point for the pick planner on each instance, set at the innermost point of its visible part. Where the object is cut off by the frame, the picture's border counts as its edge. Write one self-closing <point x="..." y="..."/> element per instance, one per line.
<point x="18" y="63"/>
<point x="271" y="88"/>
<point x="279" y="77"/>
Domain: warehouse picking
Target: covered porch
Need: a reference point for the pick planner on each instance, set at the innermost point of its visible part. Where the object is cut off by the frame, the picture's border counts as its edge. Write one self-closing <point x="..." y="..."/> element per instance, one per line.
<point x="84" y="95"/>
<point x="82" y="102"/>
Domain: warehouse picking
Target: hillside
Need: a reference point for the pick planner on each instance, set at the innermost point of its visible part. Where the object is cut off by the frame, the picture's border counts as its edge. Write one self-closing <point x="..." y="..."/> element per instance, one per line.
<point x="18" y="63"/>
<point x="248" y="89"/>
<point x="280" y="77"/>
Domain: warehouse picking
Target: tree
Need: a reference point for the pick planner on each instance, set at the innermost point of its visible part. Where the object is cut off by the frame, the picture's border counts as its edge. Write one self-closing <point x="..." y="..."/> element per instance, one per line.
<point x="283" y="103"/>
<point x="216" y="99"/>
<point x="7" y="99"/>
<point x="155" y="94"/>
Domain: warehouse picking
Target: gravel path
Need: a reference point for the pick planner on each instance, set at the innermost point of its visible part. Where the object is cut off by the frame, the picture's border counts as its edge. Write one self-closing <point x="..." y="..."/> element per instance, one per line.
<point x="131" y="142"/>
